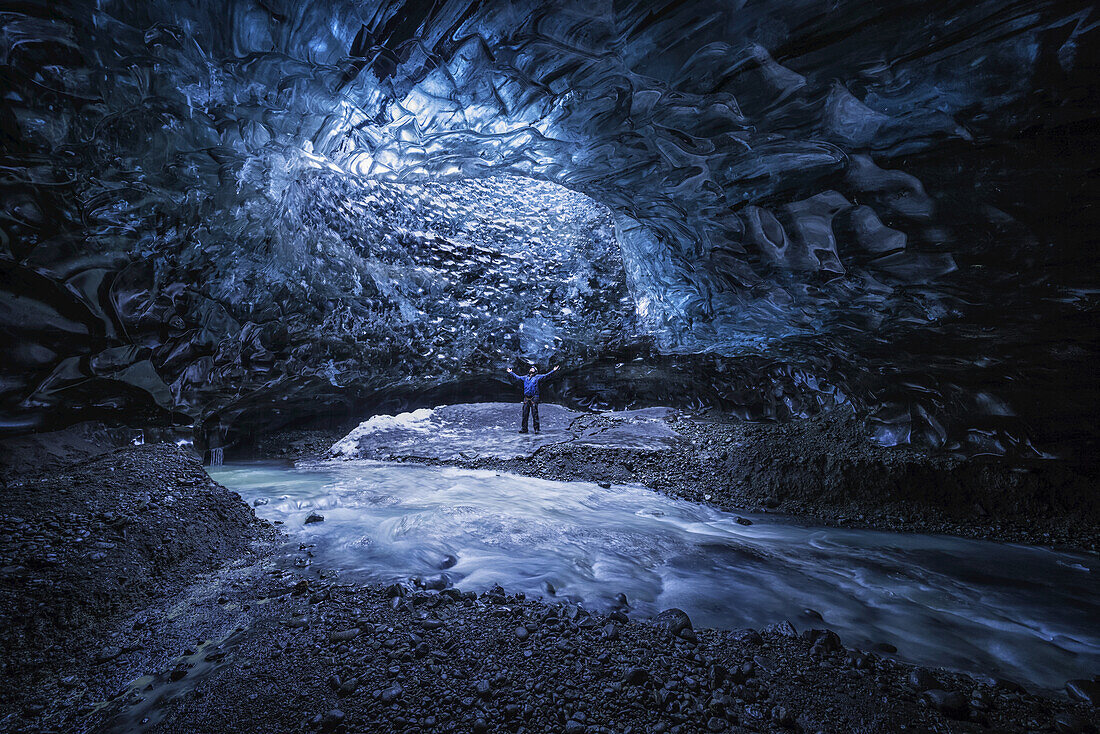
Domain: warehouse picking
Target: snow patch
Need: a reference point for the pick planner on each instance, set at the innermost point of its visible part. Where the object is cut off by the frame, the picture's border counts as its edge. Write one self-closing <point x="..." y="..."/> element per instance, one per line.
<point x="418" y="420"/>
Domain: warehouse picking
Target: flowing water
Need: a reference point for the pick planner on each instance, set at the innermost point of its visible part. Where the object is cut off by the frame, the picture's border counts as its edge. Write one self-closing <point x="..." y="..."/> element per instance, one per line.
<point x="1002" y="610"/>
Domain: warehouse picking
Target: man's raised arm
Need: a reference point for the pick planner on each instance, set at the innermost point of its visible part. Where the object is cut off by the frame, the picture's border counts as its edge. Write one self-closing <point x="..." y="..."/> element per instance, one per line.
<point x="513" y="374"/>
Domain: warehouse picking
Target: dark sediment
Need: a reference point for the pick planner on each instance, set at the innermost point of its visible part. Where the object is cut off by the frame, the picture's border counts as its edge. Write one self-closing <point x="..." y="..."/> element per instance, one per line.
<point x="269" y="642"/>
<point x="85" y="538"/>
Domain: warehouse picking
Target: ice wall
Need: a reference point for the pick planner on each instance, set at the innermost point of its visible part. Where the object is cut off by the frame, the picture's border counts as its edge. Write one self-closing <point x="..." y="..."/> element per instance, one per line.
<point x="218" y="209"/>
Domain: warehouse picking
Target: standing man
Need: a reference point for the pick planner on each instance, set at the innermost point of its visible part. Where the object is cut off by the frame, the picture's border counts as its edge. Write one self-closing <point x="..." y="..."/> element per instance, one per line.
<point x="531" y="394"/>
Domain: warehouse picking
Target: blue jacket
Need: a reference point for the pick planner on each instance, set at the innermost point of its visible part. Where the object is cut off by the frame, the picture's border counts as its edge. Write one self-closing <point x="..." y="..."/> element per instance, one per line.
<point x="531" y="384"/>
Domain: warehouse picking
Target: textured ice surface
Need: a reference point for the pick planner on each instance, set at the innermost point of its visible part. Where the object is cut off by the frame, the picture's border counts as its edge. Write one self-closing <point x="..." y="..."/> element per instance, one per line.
<point x="245" y="213"/>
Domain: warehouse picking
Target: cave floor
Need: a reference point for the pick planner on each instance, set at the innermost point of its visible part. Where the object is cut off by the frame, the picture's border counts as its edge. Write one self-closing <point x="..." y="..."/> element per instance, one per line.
<point x="141" y="596"/>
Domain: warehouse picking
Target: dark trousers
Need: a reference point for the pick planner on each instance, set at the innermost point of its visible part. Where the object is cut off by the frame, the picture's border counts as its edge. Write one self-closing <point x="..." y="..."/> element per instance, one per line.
<point x="531" y="407"/>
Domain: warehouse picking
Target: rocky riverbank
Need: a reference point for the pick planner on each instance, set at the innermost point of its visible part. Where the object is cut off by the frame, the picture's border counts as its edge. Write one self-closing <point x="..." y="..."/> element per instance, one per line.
<point x="177" y="610"/>
<point x="822" y="469"/>
<point x="93" y="534"/>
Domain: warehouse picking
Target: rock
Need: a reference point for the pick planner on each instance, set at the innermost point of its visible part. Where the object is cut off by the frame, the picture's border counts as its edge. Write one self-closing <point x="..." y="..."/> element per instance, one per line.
<point x="391" y="694"/>
<point x="1067" y="723"/>
<point x="448" y="562"/>
<point x="314" y="517"/>
<point x="261" y="501"/>
<point x="395" y="590"/>
<point x="825" y="642"/>
<point x="950" y="703"/>
<point x="716" y="675"/>
<point x="32" y="710"/>
<point x="921" y="680"/>
<point x="522" y="633"/>
<point x="107" y="654"/>
<point x="437" y="583"/>
<point x="609" y="632"/>
<point x="636" y="676"/>
<point x="344" y="635"/>
<point x="431" y="624"/>
<point x="574" y="612"/>
<point x="673" y="621"/>
<point x="604" y="485"/>
<point x="743" y="521"/>
<point x="765" y="663"/>
<point x="783" y="629"/>
<point x="782" y="716"/>
<point x="574" y="727"/>
<point x="332" y="719"/>
<point x="1084" y="690"/>
<point x="748" y="636"/>
<point x="715" y="724"/>
<point x="484" y="689"/>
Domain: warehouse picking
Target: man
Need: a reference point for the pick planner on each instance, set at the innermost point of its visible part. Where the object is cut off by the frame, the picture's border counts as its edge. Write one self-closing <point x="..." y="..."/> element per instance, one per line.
<point x="531" y="394"/>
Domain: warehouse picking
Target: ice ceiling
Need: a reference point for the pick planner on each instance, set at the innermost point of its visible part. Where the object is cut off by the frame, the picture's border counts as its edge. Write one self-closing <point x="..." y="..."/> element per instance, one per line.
<point x="244" y="213"/>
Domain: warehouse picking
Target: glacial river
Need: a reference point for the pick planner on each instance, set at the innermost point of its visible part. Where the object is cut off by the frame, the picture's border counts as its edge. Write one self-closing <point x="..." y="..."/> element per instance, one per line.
<point x="1023" y="613"/>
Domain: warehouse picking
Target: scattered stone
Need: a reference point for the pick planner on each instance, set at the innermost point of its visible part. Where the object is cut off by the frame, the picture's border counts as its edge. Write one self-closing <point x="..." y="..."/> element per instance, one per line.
<point x="782" y="716"/>
<point x="1087" y="691"/>
<point x="950" y="703"/>
<point x="783" y="629"/>
<point x="1068" y="723"/>
<point x="673" y="621"/>
<point x="921" y="680"/>
<point x="391" y="694"/>
<point x="748" y="636"/>
<point x="106" y="654"/>
<point x="344" y="635"/>
<point x="314" y="517"/>
<point x="825" y="642"/>
<point x="332" y="719"/>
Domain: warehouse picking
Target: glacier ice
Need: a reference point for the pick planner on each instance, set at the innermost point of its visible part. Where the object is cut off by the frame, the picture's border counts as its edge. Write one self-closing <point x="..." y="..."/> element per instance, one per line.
<point x="239" y="213"/>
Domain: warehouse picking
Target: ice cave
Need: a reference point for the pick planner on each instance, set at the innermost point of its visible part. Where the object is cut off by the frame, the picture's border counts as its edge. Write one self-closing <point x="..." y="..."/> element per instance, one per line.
<point x="811" y="287"/>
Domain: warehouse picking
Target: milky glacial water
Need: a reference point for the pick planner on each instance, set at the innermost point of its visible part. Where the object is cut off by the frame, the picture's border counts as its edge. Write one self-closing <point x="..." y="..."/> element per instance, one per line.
<point x="1026" y="613"/>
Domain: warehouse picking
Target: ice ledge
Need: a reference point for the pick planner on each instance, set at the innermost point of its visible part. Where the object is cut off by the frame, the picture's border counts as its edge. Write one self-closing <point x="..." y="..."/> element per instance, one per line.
<point x="490" y="430"/>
